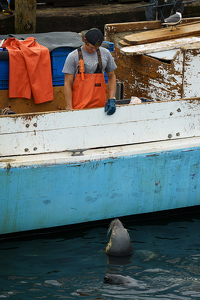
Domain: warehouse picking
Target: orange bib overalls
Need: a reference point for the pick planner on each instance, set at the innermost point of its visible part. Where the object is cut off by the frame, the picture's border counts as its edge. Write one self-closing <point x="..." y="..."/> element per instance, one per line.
<point x="29" y="70"/>
<point x="89" y="90"/>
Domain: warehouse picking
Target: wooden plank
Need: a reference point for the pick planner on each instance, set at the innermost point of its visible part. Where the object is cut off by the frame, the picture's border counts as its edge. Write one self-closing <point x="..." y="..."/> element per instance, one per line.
<point x="159" y="46"/>
<point x="162" y="34"/>
<point x="25" y="16"/>
<point x="138" y="26"/>
<point x="167" y="55"/>
<point x="186" y="24"/>
<point x="132" y="26"/>
<point x="122" y="43"/>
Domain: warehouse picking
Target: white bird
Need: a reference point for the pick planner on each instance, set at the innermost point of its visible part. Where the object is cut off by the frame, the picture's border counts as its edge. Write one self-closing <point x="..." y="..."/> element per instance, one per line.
<point x="173" y="20"/>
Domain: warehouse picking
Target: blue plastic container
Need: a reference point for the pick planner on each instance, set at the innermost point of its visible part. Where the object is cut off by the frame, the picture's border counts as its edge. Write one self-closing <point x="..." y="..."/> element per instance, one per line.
<point x="105" y="77"/>
<point x="111" y="45"/>
<point x="58" y="57"/>
<point x="4" y="74"/>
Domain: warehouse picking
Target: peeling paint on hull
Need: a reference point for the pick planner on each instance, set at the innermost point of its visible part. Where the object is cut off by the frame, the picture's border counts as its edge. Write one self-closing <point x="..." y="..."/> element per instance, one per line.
<point x="111" y="184"/>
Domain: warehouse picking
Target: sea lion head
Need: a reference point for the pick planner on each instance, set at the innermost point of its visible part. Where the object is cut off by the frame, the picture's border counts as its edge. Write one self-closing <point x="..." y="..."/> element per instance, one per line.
<point x="120" y="242"/>
<point x="116" y="279"/>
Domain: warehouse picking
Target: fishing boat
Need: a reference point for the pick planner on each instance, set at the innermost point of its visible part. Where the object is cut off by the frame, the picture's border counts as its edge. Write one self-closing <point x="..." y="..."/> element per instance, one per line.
<point x="67" y="168"/>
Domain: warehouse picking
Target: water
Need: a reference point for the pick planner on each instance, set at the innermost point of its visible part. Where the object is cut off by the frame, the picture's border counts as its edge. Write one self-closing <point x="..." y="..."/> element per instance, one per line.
<point x="72" y="265"/>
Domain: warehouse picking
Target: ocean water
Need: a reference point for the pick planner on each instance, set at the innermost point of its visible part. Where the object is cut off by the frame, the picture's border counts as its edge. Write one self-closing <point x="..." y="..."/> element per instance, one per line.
<point x="72" y="264"/>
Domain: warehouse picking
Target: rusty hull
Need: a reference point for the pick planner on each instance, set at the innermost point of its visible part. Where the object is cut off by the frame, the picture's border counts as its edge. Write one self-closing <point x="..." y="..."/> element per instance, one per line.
<point x="145" y="76"/>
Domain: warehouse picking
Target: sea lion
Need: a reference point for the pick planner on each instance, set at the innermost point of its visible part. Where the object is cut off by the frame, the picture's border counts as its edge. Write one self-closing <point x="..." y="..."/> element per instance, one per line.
<point x="119" y="260"/>
<point x="123" y="280"/>
<point x="120" y="242"/>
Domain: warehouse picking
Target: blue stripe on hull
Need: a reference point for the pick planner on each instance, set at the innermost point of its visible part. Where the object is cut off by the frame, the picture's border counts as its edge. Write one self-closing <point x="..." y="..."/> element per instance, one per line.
<point x="45" y="196"/>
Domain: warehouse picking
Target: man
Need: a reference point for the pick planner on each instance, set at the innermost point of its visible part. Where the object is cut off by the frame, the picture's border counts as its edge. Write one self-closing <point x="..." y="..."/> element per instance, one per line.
<point x="84" y="75"/>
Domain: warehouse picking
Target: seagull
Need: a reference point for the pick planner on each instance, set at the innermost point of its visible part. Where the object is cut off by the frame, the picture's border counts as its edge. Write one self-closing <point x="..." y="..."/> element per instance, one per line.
<point x="173" y="20"/>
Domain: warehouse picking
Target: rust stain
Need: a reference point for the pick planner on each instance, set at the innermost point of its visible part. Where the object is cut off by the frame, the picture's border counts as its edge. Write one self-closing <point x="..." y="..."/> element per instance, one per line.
<point x="28" y="117"/>
<point x="7" y="160"/>
<point x="144" y="76"/>
<point x="8" y="166"/>
<point x="151" y="155"/>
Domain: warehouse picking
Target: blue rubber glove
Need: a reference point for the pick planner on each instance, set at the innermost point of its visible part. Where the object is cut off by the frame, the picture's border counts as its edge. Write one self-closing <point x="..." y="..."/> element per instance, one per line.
<point x="110" y="106"/>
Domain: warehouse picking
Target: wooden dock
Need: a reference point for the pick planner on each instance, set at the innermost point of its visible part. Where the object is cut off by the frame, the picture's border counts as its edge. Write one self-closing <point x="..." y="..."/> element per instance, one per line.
<point x="51" y="18"/>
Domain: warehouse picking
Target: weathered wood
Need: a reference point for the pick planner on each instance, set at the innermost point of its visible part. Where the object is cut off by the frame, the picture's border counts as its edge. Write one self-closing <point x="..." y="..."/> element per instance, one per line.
<point x="159" y="46"/>
<point x="124" y="44"/>
<point x="65" y="3"/>
<point x="25" y="16"/>
<point x="153" y="78"/>
<point x="144" y="76"/>
<point x="132" y="26"/>
<point x="20" y="105"/>
<point x="140" y="26"/>
<point x="162" y="34"/>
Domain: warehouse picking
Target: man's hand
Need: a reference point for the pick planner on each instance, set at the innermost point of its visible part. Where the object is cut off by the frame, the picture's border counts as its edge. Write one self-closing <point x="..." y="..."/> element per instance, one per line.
<point x="110" y="107"/>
